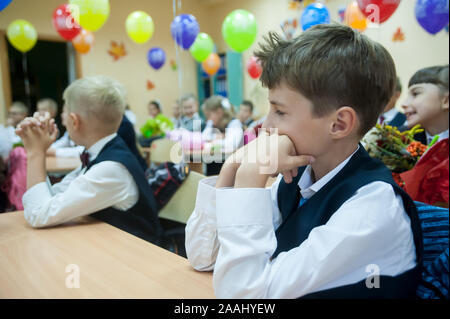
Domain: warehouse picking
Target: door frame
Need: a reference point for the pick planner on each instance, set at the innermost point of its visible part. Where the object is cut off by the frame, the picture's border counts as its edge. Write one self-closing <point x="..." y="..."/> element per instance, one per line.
<point x="4" y="64"/>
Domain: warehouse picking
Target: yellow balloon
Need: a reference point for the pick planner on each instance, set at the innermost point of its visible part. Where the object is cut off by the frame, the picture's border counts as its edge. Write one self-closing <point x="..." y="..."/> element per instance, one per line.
<point x="139" y="26"/>
<point x="22" y="35"/>
<point x="90" y="14"/>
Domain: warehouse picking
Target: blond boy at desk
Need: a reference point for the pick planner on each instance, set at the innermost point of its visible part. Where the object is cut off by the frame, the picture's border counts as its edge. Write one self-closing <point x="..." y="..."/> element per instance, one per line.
<point x="337" y="225"/>
<point x="109" y="185"/>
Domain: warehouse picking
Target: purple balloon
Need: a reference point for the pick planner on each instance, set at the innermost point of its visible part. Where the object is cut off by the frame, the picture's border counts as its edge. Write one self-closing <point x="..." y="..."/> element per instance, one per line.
<point x="156" y="57"/>
<point x="432" y="15"/>
<point x="184" y="29"/>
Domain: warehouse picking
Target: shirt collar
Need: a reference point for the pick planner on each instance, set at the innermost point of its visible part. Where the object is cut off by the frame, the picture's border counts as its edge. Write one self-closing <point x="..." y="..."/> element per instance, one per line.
<point x="441" y="136"/>
<point x="308" y="188"/>
<point x="389" y="115"/>
<point x="95" y="149"/>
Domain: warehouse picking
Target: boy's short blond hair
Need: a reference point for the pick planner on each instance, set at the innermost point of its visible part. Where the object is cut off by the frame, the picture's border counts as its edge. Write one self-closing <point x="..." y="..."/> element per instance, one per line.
<point x="97" y="97"/>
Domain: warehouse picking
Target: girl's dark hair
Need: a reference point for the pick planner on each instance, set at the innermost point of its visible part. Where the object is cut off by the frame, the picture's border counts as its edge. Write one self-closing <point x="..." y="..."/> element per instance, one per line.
<point x="157" y="104"/>
<point x="333" y="66"/>
<point x="435" y="75"/>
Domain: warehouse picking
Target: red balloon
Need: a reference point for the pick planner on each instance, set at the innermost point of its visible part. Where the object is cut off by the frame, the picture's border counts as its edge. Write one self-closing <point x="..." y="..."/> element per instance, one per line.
<point x="254" y="68"/>
<point x="378" y="11"/>
<point x="64" y="23"/>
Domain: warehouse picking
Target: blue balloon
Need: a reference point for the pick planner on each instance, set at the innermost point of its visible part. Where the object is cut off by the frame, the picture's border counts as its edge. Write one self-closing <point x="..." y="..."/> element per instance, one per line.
<point x="4" y="4"/>
<point x="315" y="13"/>
<point x="184" y="29"/>
<point x="432" y="15"/>
<point x="156" y="57"/>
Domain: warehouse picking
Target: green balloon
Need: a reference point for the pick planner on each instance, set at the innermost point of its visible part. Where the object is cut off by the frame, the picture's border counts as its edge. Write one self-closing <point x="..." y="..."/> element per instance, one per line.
<point x="202" y="47"/>
<point x="239" y="30"/>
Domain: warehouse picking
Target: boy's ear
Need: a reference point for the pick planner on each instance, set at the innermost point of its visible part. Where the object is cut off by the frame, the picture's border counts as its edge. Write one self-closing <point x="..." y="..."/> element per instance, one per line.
<point x="75" y="119"/>
<point x="344" y="122"/>
<point x="445" y="102"/>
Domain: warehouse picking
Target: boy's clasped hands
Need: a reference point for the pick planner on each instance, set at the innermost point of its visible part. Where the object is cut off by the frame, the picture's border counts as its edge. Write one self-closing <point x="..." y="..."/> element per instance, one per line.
<point x="37" y="133"/>
<point x="268" y="155"/>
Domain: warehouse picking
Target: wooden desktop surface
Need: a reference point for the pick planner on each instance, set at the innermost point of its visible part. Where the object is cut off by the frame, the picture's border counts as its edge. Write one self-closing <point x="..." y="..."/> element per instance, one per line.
<point x="111" y="263"/>
<point x="61" y="164"/>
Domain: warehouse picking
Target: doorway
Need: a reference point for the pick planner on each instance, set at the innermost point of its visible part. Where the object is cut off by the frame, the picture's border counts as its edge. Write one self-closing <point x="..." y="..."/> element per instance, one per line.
<point x="43" y="72"/>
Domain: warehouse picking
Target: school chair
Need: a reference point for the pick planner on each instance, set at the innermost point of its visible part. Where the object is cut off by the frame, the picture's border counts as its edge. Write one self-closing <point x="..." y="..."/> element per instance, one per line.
<point x="182" y="204"/>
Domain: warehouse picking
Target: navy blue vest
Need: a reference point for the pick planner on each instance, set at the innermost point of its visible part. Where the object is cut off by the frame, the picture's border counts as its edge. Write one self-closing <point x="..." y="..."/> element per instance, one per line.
<point x="126" y="132"/>
<point x="297" y="223"/>
<point x="140" y="220"/>
<point x="398" y="120"/>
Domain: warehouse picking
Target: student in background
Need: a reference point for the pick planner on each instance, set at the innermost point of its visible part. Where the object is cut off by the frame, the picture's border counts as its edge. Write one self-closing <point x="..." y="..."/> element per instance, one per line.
<point x="427" y="104"/>
<point x="47" y="105"/>
<point x="110" y="185"/>
<point x="18" y="111"/>
<point x="225" y="130"/>
<point x="337" y="216"/>
<point x="391" y="116"/>
<point x="245" y="114"/>
<point x="176" y="114"/>
<point x="190" y="119"/>
<point x="154" y="108"/>
<point x="50" y="106"/>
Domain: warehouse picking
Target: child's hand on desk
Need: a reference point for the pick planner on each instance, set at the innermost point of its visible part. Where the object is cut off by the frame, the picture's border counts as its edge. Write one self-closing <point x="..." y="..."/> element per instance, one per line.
<point x="268" y="155"/>
<point x="37" y="134"/>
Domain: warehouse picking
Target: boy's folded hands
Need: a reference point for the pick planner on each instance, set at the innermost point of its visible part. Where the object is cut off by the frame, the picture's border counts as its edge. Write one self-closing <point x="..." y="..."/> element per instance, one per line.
<point x="268" y="155"/>
<point x="37" y="133"/>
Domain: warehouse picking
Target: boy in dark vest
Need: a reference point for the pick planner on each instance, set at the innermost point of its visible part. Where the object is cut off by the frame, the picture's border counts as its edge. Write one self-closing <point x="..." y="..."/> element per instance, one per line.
<point x="109" y="185"/>
<point x="336" y="225"/>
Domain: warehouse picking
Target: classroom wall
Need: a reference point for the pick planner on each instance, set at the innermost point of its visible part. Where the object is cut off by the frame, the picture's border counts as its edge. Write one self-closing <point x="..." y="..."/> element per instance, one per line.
<point x="133" y="70"/>
<point x="420" y="49"/>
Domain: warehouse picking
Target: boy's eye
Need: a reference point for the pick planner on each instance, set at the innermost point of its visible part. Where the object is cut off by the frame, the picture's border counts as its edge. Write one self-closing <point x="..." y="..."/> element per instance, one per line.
<point x="278" y="112"/>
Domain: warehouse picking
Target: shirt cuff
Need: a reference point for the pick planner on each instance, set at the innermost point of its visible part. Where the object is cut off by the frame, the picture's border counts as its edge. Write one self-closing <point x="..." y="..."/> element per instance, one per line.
<point x="206" y="196"/>
<point x="36" y="195"/>
<point x="243" y="206"/>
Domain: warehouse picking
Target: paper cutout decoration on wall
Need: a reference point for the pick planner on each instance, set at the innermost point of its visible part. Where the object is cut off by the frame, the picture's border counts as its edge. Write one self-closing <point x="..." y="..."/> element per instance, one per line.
<point x="150" y="85"/>
<point x="173" y="65"/>
<point x="341" y="13"/>
<point x="398" y="36"/>
<point x="117" y="51"/>
<point x="289" y="26"/>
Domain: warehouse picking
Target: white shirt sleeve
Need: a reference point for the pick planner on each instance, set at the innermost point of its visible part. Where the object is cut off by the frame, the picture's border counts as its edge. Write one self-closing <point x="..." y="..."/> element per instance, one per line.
<point x="201" y="228"/>
<point x="103" y="185"/>
<point x="334" y="254"/>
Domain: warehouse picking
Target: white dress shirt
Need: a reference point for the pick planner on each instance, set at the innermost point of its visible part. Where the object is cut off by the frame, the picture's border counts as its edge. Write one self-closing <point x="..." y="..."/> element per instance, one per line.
<point x="65" y="147"/>
<point x="104" y="185"/>
<point x="441" y="135"/>
<point x="232" y="231"/>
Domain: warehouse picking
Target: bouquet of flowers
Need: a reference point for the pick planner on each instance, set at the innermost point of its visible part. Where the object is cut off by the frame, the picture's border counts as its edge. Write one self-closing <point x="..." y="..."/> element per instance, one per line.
<point x="397" y="150"/>
<point x="422" y="171"/>
<point x="157" y="126"/>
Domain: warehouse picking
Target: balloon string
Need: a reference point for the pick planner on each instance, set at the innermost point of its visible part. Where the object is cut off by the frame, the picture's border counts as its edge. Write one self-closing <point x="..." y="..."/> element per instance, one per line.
<point x="26" y="79"/>
<point x="179" y="68"/>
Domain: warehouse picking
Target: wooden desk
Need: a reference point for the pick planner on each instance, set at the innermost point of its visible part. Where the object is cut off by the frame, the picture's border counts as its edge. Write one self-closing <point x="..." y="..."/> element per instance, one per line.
<point x="61" y="164"/>
<point x="112" y="263"/>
